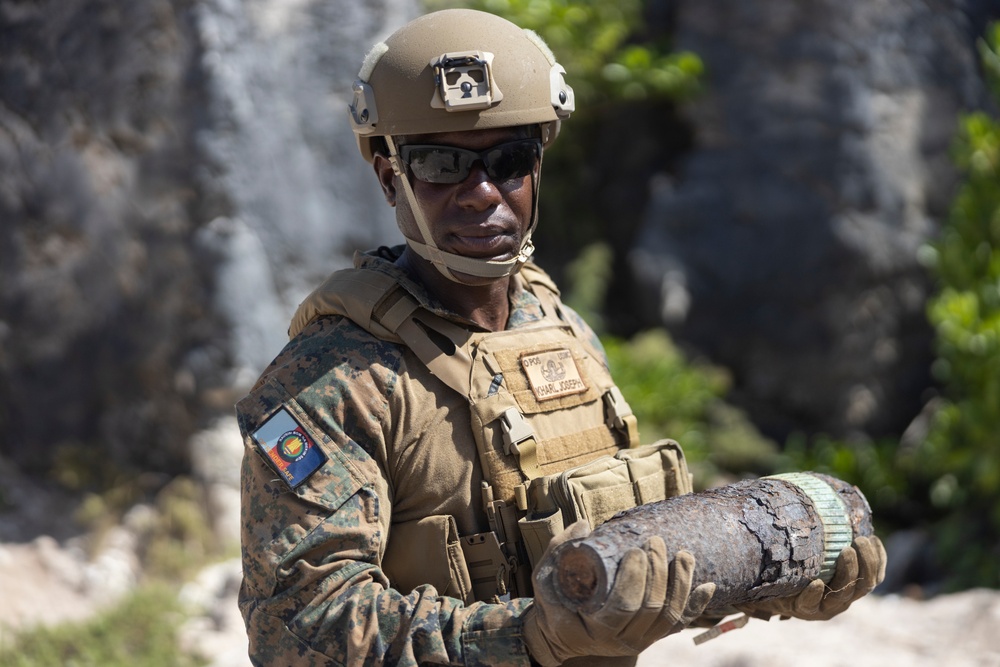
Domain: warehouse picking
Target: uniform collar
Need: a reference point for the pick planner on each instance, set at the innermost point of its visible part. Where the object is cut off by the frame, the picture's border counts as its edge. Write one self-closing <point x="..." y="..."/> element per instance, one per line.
<point x="524" y="306"/>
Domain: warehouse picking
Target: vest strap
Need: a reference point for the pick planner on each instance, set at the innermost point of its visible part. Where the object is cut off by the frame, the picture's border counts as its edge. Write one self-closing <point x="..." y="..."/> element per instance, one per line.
<point x="489" y="569"/>
<point x="396" y="313"/>
<point x="452" y="363"/>
<point x="520" y="437"/>
<point x="620" y="415"/>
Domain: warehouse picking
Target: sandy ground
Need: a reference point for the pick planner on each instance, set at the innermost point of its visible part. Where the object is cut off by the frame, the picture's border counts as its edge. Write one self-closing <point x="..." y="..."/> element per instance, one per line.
<point x="959" y="630"/>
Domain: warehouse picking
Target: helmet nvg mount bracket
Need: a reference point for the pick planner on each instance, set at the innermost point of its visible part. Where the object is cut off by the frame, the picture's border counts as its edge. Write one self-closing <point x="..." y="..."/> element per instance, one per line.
<point x="464" y="82"/>
<point x="458" y="70"/>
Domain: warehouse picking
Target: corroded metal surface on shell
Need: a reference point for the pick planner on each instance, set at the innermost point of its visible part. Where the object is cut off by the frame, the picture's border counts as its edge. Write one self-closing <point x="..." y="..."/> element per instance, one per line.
<point x="755" y="539"/>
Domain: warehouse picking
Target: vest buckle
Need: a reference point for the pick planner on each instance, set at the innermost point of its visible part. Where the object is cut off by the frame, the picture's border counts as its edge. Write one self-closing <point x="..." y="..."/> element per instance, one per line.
<point x="515" y="430"/>
<point x="620" y="416"/>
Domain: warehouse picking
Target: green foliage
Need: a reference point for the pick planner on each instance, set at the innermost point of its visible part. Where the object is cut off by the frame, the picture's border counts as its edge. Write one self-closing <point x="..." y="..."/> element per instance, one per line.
<point x="180" y="540"/>
<point x="142" y="631"/>
<point x="176" y="535"/>
<point x="589" y="275"/>
<point x="593" y="40"/>
<point x="673" y="397"/>
<point x="176" y="540"/>
<point x="990" y="56"/>
<point x="885" y="471"/>
<point x="963" y="446"/>
<point x="668" y="395"/>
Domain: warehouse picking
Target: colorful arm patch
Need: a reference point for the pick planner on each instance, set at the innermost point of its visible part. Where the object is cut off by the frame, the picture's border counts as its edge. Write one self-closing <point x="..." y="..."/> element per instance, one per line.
<point x="288" y="448"/>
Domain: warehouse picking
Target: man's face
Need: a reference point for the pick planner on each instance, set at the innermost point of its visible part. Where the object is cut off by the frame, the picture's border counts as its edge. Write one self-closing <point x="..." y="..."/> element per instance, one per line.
<point x="479" y="217"/>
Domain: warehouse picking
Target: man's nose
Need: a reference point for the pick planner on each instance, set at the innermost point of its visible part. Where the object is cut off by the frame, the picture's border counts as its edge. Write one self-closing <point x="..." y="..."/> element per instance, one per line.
<point x="478" y="189"/>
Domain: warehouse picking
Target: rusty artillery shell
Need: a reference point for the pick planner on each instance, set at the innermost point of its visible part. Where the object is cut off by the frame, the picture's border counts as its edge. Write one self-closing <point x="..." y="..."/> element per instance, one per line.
<point x="755" y="539"/>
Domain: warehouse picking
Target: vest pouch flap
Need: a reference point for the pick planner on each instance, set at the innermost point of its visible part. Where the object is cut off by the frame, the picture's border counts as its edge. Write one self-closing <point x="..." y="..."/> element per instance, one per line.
<point x="537" y="533"/>
<point x="658" y="471"/>
<point x="427" y="551"/>
<point x="595" y="491"/>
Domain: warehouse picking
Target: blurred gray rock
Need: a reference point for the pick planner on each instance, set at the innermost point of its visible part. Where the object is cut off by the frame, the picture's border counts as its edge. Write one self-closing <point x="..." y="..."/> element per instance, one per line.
<point x="785" y="246"/>
<point x="214" y="630"/>
<point x="177" y="175"/>
<point x="216" y="453"/>
<point x="278" y="147"/>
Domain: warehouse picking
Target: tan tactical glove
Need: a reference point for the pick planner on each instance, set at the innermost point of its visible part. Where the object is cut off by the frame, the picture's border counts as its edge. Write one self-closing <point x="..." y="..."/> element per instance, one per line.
<point x="648" y="600"/>
<point x="860" y="568"/>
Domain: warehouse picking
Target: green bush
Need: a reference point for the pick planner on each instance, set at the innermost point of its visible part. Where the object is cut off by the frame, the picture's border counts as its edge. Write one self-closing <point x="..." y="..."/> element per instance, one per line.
<point x="673" y="397"/>
<point x="962" y="449"/>
<point x="141" y="631"/>
<point x="884" y="470"/>
<point x="669" y="395"/>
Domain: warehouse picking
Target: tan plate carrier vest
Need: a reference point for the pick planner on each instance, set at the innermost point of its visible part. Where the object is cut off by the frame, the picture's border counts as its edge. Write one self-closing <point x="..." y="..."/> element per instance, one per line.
<point x="556" y="440"/>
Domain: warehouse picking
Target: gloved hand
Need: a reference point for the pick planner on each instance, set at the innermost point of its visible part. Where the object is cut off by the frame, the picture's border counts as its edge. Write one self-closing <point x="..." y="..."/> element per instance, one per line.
<point x="648" y="600"/>
<point x="860" y="568"/>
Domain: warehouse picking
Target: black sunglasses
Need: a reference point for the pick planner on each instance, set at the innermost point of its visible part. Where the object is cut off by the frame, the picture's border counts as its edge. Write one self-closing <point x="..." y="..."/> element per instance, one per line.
<point x="432" y="163"/>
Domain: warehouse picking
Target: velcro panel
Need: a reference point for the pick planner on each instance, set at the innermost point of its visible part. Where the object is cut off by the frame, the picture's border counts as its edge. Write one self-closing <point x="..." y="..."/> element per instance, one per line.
<point x="601" y="504"/>
<point x="595" y="491"/>
<point x="554" y="455"/>
<point x="517" y="382"/>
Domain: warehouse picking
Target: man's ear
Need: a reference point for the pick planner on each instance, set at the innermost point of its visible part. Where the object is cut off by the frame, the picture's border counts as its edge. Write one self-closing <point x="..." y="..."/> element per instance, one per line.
<point x="386" y="177"/>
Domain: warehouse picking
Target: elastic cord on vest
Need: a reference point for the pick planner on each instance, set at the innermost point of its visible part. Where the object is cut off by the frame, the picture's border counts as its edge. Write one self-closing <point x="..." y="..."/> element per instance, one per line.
<point x="447" y="262"/>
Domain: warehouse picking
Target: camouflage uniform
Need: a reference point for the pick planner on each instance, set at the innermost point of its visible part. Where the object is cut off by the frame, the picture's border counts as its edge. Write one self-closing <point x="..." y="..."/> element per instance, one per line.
<point x="396" y="445"/>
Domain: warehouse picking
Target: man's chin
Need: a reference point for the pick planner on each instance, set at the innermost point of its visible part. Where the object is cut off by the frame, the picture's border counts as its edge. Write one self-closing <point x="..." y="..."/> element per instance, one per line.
<point x="479" y="256"/>
<point x="473" y="279"/>
<point x="483" y="257"/>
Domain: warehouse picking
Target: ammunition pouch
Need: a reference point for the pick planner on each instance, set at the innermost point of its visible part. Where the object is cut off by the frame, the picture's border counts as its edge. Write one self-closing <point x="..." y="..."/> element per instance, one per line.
<point x="596" y="491"/>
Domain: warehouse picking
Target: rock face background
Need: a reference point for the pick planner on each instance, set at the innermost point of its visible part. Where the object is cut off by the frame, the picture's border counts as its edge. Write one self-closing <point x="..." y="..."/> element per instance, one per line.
<point x="176" y="176"/>
<point x="785" y="246"/>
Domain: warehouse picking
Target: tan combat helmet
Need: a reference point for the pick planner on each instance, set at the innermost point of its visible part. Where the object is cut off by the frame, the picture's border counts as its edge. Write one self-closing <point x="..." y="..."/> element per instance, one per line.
<point x="458" y="70"/>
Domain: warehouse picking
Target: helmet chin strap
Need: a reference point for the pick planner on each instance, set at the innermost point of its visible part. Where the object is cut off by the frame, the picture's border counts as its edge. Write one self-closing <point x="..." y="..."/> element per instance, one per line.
<point x="448" y="263"/>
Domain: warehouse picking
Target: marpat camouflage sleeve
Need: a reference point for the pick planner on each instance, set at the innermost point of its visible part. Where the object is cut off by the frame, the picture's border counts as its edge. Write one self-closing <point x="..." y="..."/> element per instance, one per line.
<point x="316" y="507"/>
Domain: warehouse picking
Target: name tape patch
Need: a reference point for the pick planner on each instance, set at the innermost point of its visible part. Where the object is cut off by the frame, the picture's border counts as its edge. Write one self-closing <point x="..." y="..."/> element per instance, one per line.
<point x="290" y="450"/>
<point x="553" y="374"/>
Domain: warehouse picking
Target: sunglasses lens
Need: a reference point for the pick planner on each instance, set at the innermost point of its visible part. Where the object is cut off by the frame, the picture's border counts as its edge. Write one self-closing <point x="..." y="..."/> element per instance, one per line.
<point x="514" y="160"/>
<point x="437" y="164"/>
<point x="444" y="164"/>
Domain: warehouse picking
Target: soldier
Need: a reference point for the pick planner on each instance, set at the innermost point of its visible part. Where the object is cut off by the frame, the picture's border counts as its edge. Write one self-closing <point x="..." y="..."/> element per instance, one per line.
<point x="439" y="416"/>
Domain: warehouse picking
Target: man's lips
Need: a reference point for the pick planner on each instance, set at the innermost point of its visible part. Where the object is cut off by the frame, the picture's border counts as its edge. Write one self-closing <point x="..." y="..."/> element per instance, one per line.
<point x="480" y="241"/>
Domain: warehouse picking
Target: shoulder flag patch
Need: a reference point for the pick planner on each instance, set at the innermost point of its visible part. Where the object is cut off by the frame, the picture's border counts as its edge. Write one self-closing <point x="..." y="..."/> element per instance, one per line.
<point x="289" y="449"/>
